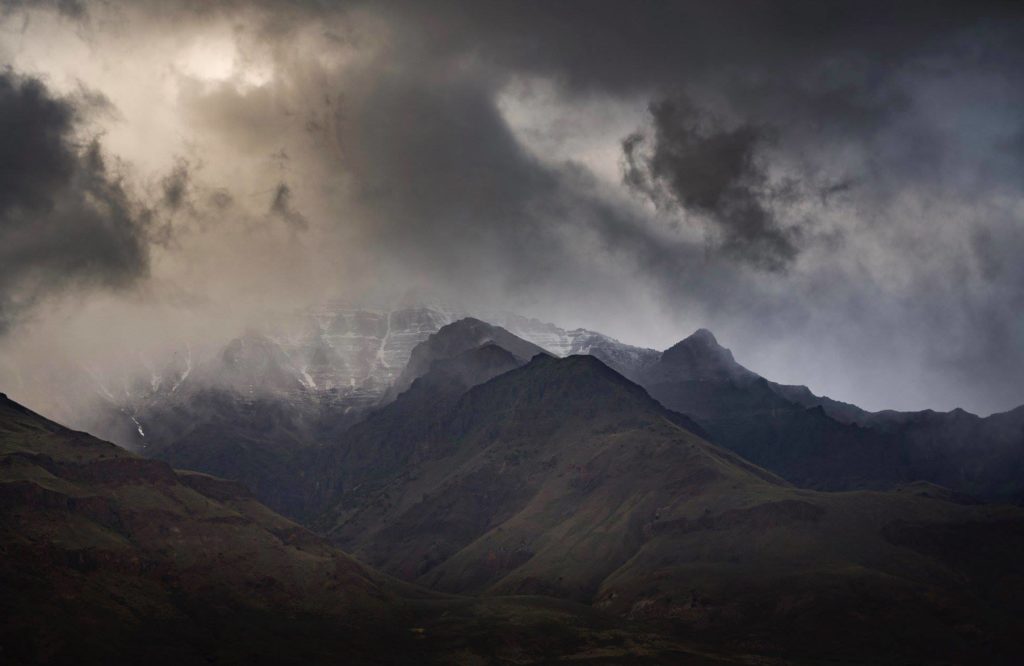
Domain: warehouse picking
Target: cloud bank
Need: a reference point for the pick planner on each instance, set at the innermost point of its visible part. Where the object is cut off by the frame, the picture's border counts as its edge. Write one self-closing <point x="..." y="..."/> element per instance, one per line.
<point x="834" y="189"/>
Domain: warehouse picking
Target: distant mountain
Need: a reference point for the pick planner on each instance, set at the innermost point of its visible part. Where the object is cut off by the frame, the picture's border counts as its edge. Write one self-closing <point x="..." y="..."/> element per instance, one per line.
<point x="821" y="443"/>
<point x="338" y="357"/>
<point x="245" y="411"/>
<point x="563" y="478"/>
<point x="459" y="337"/>
<point x="353" y="351"/>
<point x="359" y="352"/>
<point x="108" y="558"/>
<point x="627" y="360"/>
<point x="301" y="381"/>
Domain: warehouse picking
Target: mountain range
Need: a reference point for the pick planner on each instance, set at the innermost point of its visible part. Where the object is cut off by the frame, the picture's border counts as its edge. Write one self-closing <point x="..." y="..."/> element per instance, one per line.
<point x="107" y="557"/>
<point x="505" y="499"/>
<point x="244" y="411"/>
<point x="562" y="478"/>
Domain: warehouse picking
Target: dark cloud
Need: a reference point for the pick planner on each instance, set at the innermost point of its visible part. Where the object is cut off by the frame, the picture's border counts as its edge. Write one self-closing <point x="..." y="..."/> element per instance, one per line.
<point x="281" y="207"/>
<point x="714" y="172"/>
<point x="75" y="9"/>
<point x="65" y="218"/>
<point x="779" y="128"/>
<point x="175" y="186"/>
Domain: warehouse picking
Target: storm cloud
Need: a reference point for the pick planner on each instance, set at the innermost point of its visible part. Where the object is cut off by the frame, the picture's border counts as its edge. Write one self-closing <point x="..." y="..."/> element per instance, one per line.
<point x="65" y="219"/>
<point x="698" y="167"/>
<point x="834" y="188"/>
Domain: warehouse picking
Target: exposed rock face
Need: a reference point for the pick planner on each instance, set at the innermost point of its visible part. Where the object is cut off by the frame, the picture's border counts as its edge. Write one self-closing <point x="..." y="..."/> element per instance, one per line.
<point x="355" y="351"/>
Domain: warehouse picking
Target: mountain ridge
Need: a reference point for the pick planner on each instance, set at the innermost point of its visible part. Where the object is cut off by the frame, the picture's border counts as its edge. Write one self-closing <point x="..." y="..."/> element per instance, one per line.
<point x="563" y="478"/>
<point x="113" y="558"/>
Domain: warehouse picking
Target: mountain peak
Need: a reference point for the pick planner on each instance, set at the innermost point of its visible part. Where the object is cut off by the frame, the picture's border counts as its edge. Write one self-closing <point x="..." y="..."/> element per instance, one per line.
<point x="577" y="382"/>
<point x="462" y="336"/>
<point x="704" y="337"/>
<point x="699" y="357"/>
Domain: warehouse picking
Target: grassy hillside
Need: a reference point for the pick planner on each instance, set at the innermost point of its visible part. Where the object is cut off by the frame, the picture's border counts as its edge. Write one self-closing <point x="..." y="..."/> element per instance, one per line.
<point x="563" y="478"/>
<point x="110" y="558"/>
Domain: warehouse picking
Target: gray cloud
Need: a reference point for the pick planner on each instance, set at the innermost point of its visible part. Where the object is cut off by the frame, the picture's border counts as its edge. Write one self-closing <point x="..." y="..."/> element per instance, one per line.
<point x="281" y="207"/>
<point x="175" y="186"/>
<point x="711" y="171"/>
<point x="853" y="164"/>
<point x="65" y="218"/>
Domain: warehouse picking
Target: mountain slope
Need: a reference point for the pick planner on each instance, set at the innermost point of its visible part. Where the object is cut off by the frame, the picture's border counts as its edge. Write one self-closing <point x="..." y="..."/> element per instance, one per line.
<point x="820" y="443"/>
<point x="241" y="415"/>
<point x="563" y="478"/>
<point x="111" y="558"/>
<point x="102" y="544"/>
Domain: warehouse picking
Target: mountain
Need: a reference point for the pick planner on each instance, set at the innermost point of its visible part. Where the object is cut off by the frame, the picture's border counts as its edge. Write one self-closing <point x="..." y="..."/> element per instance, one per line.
<point x="587" y="521"/>
<point x="355" y="352"/>
<point x="563" y="478"/>
<point x="627" y="360"/>
<point x="337" y="356"/>
<point x="101" y="544"/>
<point x="246" y="411"/>
<point x="241" y="414"/>
<point x="821" y="443"/>
<point x="111" y="558"/>
<point x="459" y="337"/>
<point x="379" y="445"/>
<point x="302" y="380"/>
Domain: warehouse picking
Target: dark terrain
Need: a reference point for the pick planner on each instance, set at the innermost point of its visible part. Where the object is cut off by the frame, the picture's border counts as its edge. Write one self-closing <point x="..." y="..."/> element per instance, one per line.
<point x="820" y="443"/>
<point x="509" y="506"/>
<point x="562" y="478"/>
<point x="111" y="558"/>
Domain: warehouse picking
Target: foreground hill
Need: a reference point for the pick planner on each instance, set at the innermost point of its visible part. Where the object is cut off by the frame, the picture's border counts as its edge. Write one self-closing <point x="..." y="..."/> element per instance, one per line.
<point x="565" y="479"/>
<point x="100" y="544"/>
<point x="108" y="558"/>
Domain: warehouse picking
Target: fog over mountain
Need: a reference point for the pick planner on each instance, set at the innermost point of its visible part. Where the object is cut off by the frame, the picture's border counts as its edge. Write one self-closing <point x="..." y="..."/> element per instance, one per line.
<point x="833" y="189"/>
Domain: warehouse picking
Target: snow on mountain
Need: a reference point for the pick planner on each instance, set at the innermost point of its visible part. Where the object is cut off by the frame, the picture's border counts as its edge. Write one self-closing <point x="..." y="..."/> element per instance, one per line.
<point x="357" y="352"/>
<point x="626" y="359"/>
<point x="338" y="355"/>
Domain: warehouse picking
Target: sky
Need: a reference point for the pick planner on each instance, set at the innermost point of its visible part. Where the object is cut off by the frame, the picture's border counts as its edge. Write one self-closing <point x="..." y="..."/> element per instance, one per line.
<point x="835" y="189"/>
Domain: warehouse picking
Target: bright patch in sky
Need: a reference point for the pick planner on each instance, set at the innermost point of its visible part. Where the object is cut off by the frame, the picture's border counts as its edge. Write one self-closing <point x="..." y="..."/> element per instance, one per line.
<point x="216" y="59"/>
